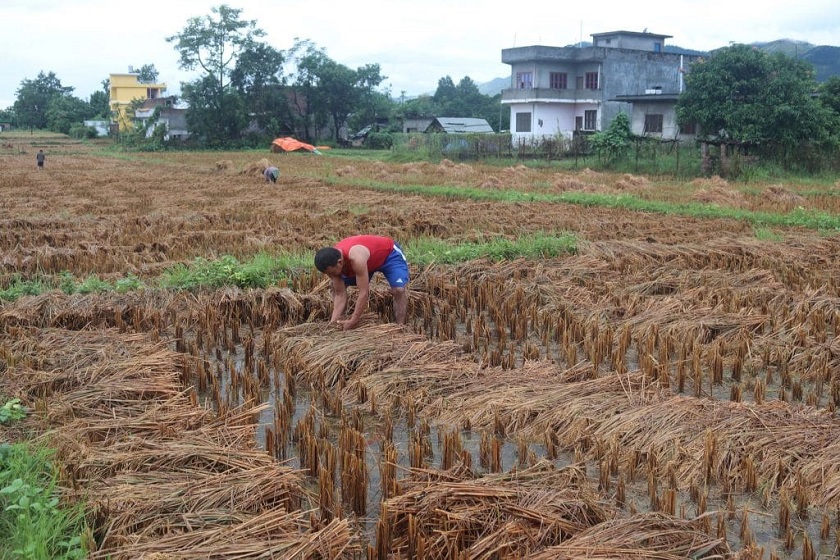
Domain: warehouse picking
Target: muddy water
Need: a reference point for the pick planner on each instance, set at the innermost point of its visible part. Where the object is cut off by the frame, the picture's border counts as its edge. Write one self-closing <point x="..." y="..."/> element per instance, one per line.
<point x="743" y="517"/>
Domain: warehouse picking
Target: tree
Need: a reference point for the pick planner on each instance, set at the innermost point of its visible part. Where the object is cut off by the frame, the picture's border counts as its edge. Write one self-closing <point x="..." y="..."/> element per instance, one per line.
<point x="615" y="141"/>
<point x="63" y="111"/>
<point x="341" y="90"/>
<point x="830" y="98"/>
<point x="445" y="95"/>
<point x="307" y="58"/>
<point x="258" y="77"/>
<point x="100" y="101"/>
<point x="745" y="95"/>
<point x="214" y="45"/>
<point x="214" y="127"/>
<point x="33" y="99"/>
<point x="461" y="100"/>
<point x="148" y="74"/>
<point x="326" y="93"/>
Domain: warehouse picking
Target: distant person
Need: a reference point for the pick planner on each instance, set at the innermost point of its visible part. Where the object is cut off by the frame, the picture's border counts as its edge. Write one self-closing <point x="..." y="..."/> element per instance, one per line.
<point x="270" y="174"/>
<point x="39" y="159"/>
<point x="352" y="262"/>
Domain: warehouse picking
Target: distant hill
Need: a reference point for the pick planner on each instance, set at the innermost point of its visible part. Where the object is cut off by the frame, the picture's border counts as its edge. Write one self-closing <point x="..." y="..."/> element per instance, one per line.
<point x="826" y="61"/>
<point x="825" y="58"/>
<point x="494" y="86"/>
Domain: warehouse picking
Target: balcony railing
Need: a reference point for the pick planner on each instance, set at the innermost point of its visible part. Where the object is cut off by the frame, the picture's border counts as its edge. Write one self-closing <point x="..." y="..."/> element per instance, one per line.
<point x="549" y="94"/>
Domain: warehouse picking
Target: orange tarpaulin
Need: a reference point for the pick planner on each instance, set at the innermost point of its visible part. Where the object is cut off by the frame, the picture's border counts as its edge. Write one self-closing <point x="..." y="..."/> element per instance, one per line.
<point x="289" y="144"/>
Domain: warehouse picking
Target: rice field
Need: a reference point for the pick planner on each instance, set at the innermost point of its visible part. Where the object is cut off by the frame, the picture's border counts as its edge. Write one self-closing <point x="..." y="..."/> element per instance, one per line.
<point x="666" y="390"/>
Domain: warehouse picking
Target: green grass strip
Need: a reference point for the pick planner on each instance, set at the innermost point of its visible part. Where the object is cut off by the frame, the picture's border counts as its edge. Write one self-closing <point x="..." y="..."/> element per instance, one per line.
<point x="265" y="270"/>
<point x="34" y="524"/>
<point x="799" y="217"/>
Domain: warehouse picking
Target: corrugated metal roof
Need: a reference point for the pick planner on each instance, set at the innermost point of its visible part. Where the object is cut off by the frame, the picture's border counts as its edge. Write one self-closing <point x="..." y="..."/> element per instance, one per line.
<point x="464" y="125"/>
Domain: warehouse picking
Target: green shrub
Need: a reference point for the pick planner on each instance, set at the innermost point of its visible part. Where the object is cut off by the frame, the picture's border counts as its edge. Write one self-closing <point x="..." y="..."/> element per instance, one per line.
<point x="379" y="141"/>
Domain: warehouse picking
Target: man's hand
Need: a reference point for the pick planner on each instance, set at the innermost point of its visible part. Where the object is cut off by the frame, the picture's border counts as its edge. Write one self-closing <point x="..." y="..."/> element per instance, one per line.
<point x="348" y="324"/>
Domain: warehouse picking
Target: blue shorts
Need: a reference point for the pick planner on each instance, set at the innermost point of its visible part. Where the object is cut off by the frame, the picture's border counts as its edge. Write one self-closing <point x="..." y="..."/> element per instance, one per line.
<point x="395" y="269"/>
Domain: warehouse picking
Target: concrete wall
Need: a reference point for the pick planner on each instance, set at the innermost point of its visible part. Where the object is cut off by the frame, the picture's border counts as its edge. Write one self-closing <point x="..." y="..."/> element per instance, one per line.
<point x="620" y="71"/>
<point x="124" y="89"/>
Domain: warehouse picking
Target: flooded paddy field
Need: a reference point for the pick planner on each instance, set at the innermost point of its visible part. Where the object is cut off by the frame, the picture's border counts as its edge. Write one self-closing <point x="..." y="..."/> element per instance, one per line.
<point x="666" y="390"/>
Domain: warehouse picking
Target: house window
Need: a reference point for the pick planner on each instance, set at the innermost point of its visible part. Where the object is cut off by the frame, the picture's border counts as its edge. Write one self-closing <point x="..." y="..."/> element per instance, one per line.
<point x="657" y="47"/>
<point x="524" y="80"/>
<point x="557" y="80"/>
<point x="653" y="123"/>
<point x="523" y="122"/>
<point x="592" y="80"/>
<point x="590" y="120"/>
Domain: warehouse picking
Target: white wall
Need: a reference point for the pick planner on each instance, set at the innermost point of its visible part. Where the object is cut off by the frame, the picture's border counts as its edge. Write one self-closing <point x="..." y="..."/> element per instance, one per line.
<point x="557" y="118"/>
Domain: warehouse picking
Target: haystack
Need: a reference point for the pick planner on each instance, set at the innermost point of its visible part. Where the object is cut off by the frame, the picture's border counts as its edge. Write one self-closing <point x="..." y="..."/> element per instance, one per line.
<point x="347" y="171"/>
<point x="721" y="196"/>
<point x="256" y="168"/>
<point x="629" y="181"/>
<point x="641" y="536"/>
<point x="563" y="183"/>
<point x="224" y="165"/>
<point x="163" y="476"/>
<point x="781" y="195"/>
<point x="506" y="515"/>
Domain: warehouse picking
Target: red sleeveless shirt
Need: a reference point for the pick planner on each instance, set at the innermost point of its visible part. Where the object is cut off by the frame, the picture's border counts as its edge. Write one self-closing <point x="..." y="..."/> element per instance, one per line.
<point x="379" y="247"/>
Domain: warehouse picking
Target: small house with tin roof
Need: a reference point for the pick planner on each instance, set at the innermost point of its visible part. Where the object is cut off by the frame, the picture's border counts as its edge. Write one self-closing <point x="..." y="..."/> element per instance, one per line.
<point x="460" y="125"/>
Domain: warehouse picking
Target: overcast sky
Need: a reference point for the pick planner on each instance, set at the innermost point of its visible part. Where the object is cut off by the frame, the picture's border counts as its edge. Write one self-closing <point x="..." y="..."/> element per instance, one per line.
<point x="415" y="42"/>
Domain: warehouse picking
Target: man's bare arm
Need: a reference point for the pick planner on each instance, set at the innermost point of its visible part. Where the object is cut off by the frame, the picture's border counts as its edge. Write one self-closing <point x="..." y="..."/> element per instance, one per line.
<point x="339" y="299"/>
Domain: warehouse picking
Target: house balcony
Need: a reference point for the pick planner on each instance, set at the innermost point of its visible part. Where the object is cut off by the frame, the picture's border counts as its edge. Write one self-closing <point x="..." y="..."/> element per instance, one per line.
<point x="549" y="95"/>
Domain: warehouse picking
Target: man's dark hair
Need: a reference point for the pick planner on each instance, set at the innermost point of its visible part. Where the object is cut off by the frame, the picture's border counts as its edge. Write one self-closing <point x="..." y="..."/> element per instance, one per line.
<point x="326" y="257"/>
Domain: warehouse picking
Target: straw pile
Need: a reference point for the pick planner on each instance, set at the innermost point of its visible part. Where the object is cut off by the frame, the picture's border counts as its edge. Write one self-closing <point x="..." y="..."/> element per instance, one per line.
<point x="779" y="194"/>
<point x="224" y="165"/>
<point x="744" y="444"/>
<point x="327" y="355"/>
<point x="256" y="168"/>
<point x="160" y="475"/>
<point x="721" y="196"/>
<point x="645" y="536"/>
<point x="496" y="516"/>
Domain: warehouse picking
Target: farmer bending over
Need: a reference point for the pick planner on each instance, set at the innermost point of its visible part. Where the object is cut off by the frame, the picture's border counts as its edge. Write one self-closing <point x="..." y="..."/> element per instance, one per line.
<point x="270" y="174"/>
<point x="352" y="262"/>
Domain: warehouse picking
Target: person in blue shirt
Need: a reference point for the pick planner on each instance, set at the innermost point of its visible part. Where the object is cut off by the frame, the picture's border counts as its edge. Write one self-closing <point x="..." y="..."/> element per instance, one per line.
<point x="270" y="174"/>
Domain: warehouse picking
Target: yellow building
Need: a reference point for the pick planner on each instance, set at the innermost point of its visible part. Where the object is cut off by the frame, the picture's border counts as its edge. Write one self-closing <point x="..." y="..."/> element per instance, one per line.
<point x="126" y="88"/>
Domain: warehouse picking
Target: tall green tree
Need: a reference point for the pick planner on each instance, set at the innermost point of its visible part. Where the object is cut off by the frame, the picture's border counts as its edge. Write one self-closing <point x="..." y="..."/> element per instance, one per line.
<point x="830" y="93"/>
<point x="214" y="43"/>
<point x="746" y="95"/>
<point x="259" y="77"/>
<point x="342" y="91"/>
<point x="327" y="94"/>
<point x="148" y="74"/>
<point x="446" y="95"/>
<point x="214" y="127"/>
<point x="307" y="58"/>
<point x="33" y="99"/>
<point x="63" y="111"/>
<point x="100" y="101"/>
<point x="461" y="100"/>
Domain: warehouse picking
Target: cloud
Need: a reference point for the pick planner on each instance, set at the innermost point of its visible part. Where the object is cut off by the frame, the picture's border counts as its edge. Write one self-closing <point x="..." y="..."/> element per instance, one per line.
<point x="415" y="43"/>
